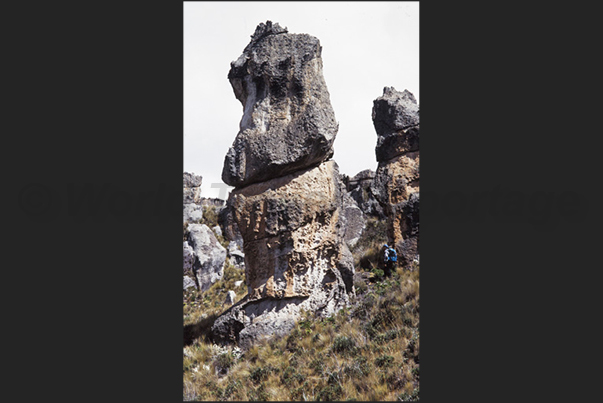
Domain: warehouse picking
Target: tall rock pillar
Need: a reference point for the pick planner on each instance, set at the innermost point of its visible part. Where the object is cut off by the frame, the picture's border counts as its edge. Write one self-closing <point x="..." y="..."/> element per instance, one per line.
<point x="288" y="196"/>
<point x="396" y="182"/>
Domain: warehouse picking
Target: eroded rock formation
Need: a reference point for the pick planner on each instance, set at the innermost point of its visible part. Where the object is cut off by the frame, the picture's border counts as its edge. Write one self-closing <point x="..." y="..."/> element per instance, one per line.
<point x="192" y="211"/>
<point x="191" y="188"/>
<point x="396" y="182"/>
<point x="288" y="202"/>
<point x="203" y="256"/>
<point x="288" y="122"/>
<point x="353" y="219"/>
<point x="207" y="254"/>
<point x="359" y="188"/>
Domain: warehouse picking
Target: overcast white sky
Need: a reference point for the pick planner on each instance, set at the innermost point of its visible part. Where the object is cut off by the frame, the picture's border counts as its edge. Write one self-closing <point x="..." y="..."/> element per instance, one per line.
<point x="365" y="46"/>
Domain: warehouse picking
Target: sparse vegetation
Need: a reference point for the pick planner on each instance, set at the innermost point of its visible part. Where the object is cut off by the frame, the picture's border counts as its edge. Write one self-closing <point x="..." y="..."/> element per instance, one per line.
<point x="367" y="251"/>
<point x="369" y="351"/>
<point x="210" y="216"/>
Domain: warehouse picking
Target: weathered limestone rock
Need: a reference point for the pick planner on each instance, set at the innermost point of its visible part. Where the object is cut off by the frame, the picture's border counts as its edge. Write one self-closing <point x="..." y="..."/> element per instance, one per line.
<point x="212" y="202"/>
<point x="397" y="179"/>
<point x="396" y="121"/>
<point x="353" y="220"/>
<point x="230" y="230"/>
<point x="192" y="211"/>
<point x="188" y="282"/>
<point x="396" y="182"/>
<point x="359" y="188"/>
<point x="295" y="257"/>
<point x="237" y="258"/>
<point x="217" y="230"/>
<point x="288" y="122"/>
<point x="291" y="230"/>
<point x="188" y="259"/>
<point x="189" y="267"/>
<point x="209" y="255"/>
<point x="191" y="188"/>
<point x="289" y="204"/>
<point x="230" y="297"/>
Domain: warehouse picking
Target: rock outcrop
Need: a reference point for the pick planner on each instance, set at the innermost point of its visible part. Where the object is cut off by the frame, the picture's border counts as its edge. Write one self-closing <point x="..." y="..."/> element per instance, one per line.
<point x="288" y="202"/>
<point x="230" y="230"/>
<point x="237" y="258"/>
<point x="359" y="188"/>
<point x="191" y="188"/>
<point x="353" y="220"/>
<point x="188" y="263"/>
<point x="396" y="182"/>
<point x="188" y="282"/>
<point x="288" y="122"/>
<point x="203" y="256"/>
<point x="209" y="256"/>
<point x="192" y="211"/>
<point x="230" y="298"/>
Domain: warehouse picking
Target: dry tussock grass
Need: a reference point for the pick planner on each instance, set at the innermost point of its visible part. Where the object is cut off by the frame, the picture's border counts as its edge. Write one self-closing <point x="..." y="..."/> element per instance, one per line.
<point x="366" y="352"/>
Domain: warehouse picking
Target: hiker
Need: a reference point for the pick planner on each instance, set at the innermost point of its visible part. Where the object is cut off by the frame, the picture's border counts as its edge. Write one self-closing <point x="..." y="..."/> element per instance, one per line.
<point x="390" y="257"/>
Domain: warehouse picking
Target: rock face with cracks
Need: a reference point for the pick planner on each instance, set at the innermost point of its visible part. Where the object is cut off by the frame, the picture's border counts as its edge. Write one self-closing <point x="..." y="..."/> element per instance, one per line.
<point x="206" y="254"/>
<point x="396" y="182"/>
<point x="295" y="254"/>
<point x="289" y="201"/>
<point x="288" y="122"/>
<point x="191" y="188"/>
<point x="192" y="211"/>
<point x="359" y="188"/>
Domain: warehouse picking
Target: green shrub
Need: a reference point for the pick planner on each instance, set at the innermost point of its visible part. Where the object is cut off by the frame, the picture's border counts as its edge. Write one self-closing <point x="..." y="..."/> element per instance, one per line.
<point x="258" y="395"/>
<point x="223" y="362"/>
<point x="360" y="367"/>
<point x="232" y="388"/>
<point x="384" y="361"/>
<point x="409" y="397"/>
<point x="378" y="274"/>
<point x="318" y="365"/>
<point x="330" y="393"/>
<point x="290" y="376"/>
<point x="387" y="336"/>
<point x="306" y="326"/>
<point x="299" y="394"/>
<point x="260" y="374"/>
<point x="343" y="344"/>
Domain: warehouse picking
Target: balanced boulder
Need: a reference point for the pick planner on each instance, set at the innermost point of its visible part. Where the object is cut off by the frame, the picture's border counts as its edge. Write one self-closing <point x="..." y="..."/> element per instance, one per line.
<point x="396" y="182"/>
<point x="288" y="123"/>
<point x="288" y="202"/>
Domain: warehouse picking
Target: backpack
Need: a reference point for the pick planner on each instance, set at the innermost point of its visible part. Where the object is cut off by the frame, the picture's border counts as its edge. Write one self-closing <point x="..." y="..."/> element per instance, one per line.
<point x="392" y="255"/>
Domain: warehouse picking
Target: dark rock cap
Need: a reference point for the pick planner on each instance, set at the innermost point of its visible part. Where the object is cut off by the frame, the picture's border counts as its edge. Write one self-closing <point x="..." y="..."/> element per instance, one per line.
<point x="395" y="111"/>
<point x="288" y="122"/>
<point x="396" y="121"/>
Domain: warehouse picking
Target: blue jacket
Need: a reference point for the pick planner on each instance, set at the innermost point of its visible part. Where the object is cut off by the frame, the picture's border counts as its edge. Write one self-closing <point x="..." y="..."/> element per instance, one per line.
<point x="391" y="254"/>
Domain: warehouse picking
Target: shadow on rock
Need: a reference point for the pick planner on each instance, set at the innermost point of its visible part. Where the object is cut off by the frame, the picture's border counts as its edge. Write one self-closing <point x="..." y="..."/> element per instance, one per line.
<point x="201" y="329"/>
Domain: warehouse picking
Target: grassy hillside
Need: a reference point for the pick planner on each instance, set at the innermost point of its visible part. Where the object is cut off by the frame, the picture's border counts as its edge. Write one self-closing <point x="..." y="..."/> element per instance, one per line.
<point x="369" y="351"/>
